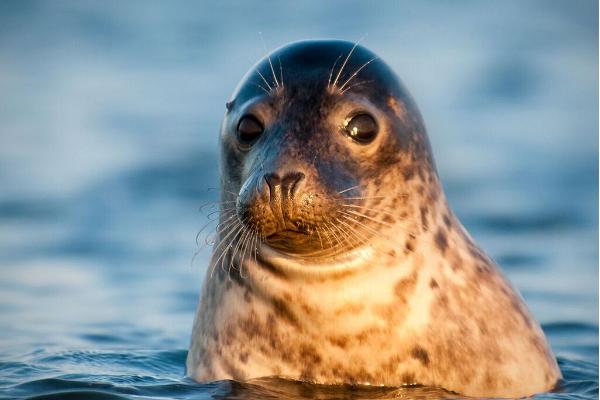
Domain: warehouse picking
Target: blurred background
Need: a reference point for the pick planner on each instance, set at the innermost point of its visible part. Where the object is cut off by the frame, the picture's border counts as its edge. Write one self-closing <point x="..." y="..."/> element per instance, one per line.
<point x="109" y="119"/>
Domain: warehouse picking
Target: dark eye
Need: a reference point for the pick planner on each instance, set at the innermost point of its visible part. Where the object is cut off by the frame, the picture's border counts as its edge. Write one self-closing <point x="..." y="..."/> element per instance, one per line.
<point x="362" y="128"/>
<point x="249" y="129"/>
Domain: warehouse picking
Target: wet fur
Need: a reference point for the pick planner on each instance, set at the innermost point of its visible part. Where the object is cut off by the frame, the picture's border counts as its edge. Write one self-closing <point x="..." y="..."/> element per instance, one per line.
<point x="411" y="300"/>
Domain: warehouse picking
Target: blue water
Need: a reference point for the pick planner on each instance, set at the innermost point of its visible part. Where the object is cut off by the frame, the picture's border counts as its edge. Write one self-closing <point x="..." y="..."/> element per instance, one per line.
<point x="109" y="113"/>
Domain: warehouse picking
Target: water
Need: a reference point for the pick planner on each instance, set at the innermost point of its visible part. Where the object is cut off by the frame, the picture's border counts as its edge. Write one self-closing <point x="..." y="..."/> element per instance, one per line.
<point x="108" y="123"/>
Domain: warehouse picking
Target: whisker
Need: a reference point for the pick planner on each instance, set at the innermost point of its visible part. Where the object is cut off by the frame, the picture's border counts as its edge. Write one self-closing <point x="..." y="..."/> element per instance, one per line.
<point x="262" y="39"/>
<point x="280" y="72"/>
<point x="261" y="86"/>
<point x="356" y="73"/>
<point x="239" y="240"/>
<point x="335" y="236"/>
<point x="355" y="85"/>
<point x="256" y="245"/>
<point x="210" y="221"/>
<point x="350" y="188"/>
<point x="265" y="81"/>
<point x="369" y="218"/>
<point x="229" y="247"/>
<point x="227" y="191"/>
<point x="373" y="231"/>
<point x="320" y="239"/>
<point x="233" y="227"/>
<point x="243" y="252"/>
<point x="364" y="198"/>
<point x="348" y="235"/>
<point x="375" y="210"/>
<point x="345" y="62"/>
<point x="331" y="70"/>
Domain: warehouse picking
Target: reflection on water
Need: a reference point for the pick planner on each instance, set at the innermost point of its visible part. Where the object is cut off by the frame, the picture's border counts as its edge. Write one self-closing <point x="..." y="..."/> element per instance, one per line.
<point x="108" y="148"/>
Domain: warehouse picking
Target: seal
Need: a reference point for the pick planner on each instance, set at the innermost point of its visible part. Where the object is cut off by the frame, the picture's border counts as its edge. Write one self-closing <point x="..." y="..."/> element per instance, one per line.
<point x="338" y="259"/>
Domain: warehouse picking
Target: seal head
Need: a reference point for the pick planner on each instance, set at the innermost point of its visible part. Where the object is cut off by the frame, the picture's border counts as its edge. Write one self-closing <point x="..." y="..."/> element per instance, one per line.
<point x="308" y="136"/>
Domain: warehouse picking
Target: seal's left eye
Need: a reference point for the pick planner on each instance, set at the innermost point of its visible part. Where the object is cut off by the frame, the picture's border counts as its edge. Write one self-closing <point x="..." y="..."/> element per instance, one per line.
<point x="249" y="129"/>
<point x="361" y="127"/>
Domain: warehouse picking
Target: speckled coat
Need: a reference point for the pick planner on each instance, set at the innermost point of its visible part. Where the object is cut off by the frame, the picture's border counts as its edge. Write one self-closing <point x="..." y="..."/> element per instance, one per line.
<point x="410" y="299"/>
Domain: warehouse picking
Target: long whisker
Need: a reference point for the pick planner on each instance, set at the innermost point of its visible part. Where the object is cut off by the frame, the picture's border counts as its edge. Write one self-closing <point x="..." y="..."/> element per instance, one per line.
<point x="375" y="210"/>
<point x="320" y="239"/>
<point x="269" y="58"/>
<point x="243" y="249"/>
<point x="364" y="198"/>
<point x="256" y="246"/>
<point x="356" y="72"/>
<point x="280" y="72"/>
<point x="235" y="227"/>
<point x="210" y="221"/>
<point x="345" y="62"/>
<point x="354" y="220"/>
<point x="331" y="70"/>
<point x="265" y="81"/>
<point x="213" y="203"/>
<point x="353" y="231"/>
<point x="261" y="86"/>
<point x="355" y="85"/>
<point x="350" y="236"/>
<point x="348" y="189"/>
<point x="224" y="250"/>
<point x="369" y="218"/>
<point x="239" y="241"/>
<point x="335" y="236"/>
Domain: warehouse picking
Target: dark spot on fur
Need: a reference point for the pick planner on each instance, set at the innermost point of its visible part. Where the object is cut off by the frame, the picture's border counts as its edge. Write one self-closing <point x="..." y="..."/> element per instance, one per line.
<point x="408" y="378"/>
<point x="409" y="246"/>
<point x="404" y="286"/>
<point x="433" y="284"/>
<point x="388" y="219"/>
<point x="308" y="355"/>
<point x="420" y="354"/>
<point x="482" y="327"/>
<point x="489" y="380"/>
<point x="244" y="357"/>
<point x="408" y="172"/>
<point x="250" y="325"/>
<point x="424" y="224"/>
<point x="339" y="341"/>
<point x="483" y="268"/>
<point x="447" y="220"/>
<point x="283" y="311"/>
<point x="441" y="241"/>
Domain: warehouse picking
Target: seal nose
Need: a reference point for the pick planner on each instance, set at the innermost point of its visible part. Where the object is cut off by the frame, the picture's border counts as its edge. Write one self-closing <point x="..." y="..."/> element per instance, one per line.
<point x="283" y="188"/>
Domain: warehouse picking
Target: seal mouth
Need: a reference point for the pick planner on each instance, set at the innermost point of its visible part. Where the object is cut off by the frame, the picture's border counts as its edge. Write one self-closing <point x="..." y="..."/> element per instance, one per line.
<point x="287" y="237"/>
<point x="291" y="241"/>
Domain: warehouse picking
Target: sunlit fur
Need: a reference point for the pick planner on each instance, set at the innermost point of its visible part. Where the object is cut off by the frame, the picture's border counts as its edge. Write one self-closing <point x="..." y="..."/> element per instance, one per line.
<point x="357" y="271"/>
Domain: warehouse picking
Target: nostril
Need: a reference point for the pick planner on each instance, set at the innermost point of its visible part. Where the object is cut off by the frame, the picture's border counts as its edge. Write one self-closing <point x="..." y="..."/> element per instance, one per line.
<point x="274" y="183"/>
<point x="290" y="182"/>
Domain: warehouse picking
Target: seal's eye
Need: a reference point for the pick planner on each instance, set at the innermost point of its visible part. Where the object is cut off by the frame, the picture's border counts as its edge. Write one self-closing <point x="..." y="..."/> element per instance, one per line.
<point x="249" y="129"/>
<point x="361" y="127"/>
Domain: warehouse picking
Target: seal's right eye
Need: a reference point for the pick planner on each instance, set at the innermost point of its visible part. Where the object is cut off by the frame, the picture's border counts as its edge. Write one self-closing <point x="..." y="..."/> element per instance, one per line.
<point x="361" y="127"/>
<point x="249" y="129"/>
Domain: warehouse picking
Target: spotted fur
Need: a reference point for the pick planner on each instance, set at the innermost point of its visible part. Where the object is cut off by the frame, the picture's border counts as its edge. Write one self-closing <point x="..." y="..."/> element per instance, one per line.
<point x="393" y="293"/>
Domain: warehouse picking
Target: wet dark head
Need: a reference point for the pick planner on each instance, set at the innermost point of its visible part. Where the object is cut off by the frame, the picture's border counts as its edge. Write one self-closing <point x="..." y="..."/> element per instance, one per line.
<point x="311" y="137"/>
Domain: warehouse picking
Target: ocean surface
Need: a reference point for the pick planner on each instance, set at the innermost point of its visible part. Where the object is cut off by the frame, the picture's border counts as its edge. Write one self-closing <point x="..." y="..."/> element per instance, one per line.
<point x="109" y="116"/>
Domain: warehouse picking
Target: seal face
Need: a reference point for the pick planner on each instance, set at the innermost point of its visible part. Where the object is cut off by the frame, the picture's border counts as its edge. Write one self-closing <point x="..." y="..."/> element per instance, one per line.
<point x="338" y="259"/>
